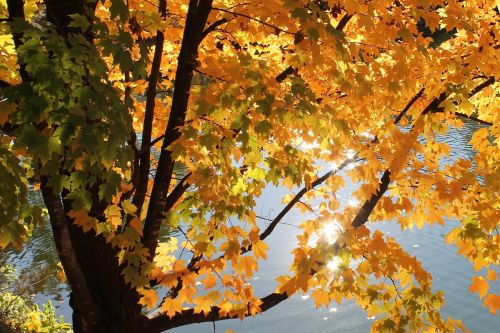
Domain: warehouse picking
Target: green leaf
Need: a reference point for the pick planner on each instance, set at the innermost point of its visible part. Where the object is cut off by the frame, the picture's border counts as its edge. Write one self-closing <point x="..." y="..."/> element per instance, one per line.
<point x="79" y="21"/>
<point x="313" y="34"/>
<point x="262" y="127"/>
<point x="119" y="8"/>
<point x="300" y="13"/>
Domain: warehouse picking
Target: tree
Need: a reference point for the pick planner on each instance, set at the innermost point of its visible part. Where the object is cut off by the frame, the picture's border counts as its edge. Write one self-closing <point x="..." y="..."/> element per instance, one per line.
<point x="151" y="128"/>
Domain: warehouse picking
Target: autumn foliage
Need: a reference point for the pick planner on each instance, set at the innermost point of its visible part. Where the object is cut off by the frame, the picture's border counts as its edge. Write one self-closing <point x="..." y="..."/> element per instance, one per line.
<point x="151" y="128"/>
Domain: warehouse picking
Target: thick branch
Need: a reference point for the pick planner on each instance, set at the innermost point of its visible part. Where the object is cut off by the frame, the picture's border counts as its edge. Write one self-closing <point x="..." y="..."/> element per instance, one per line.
<point x="474" y="91"/>
<point x="463" y="115"/>
<point x="286" y="73"/>
<point x="481" y="87"/>
<point x="196" y="19"/>
<point x="186" y="317"/>
<point x="370" y="204"/>
<point x="213" y="26"/>
<point x="433" y="106"/>
<point x="177" y="192"/>
<point x="147" y="128"/>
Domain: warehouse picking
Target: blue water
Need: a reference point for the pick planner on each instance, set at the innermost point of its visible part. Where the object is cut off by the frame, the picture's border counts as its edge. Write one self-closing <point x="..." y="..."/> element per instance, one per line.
<point x="451" y="273"/>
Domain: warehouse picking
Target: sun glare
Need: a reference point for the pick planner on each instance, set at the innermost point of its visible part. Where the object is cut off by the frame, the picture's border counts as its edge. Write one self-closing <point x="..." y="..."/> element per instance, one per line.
<point x="350" y="154"/>
<point x="330" y="232"/>
<point x="353" y="203"/>
<point x="333" y="264"/>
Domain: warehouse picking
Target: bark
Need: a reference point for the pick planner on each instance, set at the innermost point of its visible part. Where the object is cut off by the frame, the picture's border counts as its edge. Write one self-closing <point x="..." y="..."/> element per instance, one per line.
<point x="195" y="24"/>
<point x="120" y="311"/>
<point x="147" y="128"/>
<point x="100" y="298"/>
<point x="64" y="245"/>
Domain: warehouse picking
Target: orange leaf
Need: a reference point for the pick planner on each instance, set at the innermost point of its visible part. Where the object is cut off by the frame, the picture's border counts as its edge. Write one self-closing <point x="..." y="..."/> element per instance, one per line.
<point x="209" y="282"/>
<point x="320" y="297"/>
<point x="492" y="302"/>
<point x="479" y="285"/>
<point x="149" y="298"/>
<point x="82" y="219"/>
<point x="171" y="306"/>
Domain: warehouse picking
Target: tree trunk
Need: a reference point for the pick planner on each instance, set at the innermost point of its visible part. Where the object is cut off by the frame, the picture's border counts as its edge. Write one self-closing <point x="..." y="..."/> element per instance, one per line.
<point x="119" y="310"/>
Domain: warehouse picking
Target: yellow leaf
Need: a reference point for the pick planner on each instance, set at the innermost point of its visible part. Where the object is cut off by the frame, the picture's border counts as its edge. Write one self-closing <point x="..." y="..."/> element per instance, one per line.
<point x="259" y="249"/>
<point x="321" y="297"/>
<point x="245" y="265"/>
<point x="171" y="306"/>
<point x="225" y="308"/>
<point x="204" y="303"/>
<point x="129" y="207"/>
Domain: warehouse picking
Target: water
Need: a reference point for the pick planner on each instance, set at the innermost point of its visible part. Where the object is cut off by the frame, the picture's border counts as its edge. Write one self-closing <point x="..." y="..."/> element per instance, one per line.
<point x="451" y="273"/>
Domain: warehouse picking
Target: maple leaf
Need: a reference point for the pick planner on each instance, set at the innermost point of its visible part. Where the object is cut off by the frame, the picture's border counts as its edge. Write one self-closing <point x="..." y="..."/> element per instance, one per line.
<point x="149" y="298"/>
<point x="209" y="282"/>
<point x="169" y="149"/>
<point x="171" y="306"/>
<point x="82" y="219"/>
<point x="321" y="297"/>
<point x="260" y="250"/>
<point x="492" y="302"/>
<point x="245" y="265"/>
<point x="204" y="303"/>
<point x="479" y="285"/>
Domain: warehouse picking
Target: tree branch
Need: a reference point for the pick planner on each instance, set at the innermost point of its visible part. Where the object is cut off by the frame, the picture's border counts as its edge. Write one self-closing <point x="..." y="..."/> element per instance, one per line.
<point x="212" y="27"/>
<point x="254" y="19"/>
<point x="177" y="192"/>
<point x="385" y="180"/>
<point x="64" y="246"/>
<point x="483" y="85"/>
<point x="298" y="38"/>
<point x="16" y="11"/>
<point x="474" y="91"/>
<point x="147" y="128"/>
<point x="295" y="200"/>
<point x="343" y="22"/>
<point x="463" y="115"/>
<point x="186" y="317"/>
<point x="409" y="105"/>
<point x="286" y="73"/>
<point x="4" y="84"/>
<point x="196" y="19"/>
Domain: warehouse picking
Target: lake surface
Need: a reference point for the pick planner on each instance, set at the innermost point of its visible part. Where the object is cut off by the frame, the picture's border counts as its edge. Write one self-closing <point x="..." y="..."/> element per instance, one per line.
<point x="37" y="265"/>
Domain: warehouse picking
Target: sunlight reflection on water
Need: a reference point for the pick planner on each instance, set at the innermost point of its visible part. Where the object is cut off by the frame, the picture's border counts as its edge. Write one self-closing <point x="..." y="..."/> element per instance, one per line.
<point x="452" y="274"/>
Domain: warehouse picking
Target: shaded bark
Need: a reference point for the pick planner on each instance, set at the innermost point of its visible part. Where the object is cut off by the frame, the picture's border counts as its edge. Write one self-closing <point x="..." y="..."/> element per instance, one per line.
<point x="83" y="299"/>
